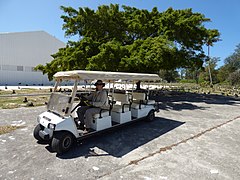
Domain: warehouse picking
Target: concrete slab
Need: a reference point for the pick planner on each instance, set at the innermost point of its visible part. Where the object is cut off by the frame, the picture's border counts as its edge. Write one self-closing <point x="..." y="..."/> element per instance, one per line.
<point x="193" y="137"/>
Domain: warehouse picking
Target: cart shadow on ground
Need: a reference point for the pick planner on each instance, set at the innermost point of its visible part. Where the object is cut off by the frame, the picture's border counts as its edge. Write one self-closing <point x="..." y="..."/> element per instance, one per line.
<point x="122" y="141"/>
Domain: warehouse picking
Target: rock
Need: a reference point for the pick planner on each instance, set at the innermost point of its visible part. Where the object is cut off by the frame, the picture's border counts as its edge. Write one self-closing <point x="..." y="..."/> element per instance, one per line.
<point x="29" y="104"/>
<point x="25" y="100"/>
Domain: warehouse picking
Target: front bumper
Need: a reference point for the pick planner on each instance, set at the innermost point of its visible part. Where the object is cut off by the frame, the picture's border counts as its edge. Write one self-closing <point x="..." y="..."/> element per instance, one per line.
<point x="44" y="135"/>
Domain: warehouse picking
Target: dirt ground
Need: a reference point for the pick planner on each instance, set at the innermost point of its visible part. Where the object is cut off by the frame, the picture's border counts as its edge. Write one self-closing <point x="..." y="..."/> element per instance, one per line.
<point x="193" y="137"/>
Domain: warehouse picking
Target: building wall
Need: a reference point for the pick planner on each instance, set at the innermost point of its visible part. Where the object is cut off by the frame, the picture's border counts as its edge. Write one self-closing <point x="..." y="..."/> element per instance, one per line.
<point x="20" y="52"/>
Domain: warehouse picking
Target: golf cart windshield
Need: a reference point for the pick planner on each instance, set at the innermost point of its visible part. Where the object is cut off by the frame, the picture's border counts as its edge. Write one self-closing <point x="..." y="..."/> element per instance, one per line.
<point x="58" y="103"/>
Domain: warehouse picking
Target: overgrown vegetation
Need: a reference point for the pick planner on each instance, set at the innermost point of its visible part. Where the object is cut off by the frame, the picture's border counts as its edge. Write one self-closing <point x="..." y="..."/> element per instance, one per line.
<point x="137" y="40"/>
<point x="9" y="102"/>
<point x="15" y="102"/>
<point x="228" y="74"/>
<point x="23" y="91"/>
<point x="132" y="40"/>
<point x="8" y="129"/>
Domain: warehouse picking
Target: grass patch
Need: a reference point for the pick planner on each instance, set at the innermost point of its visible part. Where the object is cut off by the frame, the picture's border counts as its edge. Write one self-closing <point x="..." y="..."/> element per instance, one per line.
<point x="24" y="91"/>
<point x="15" y="102"/>
<point x="32" y="91"/>
<point x="18" y="101"/>
<point x="8" y="129"/>
<point x="203" y="89"/>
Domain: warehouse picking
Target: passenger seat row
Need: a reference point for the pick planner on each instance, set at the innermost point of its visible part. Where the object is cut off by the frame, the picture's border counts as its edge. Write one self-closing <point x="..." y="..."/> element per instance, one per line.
<point x="122" y="108"/>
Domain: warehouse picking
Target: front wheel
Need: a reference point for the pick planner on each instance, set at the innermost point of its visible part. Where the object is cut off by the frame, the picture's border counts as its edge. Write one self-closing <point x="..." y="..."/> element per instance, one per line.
<point x="150" y="116"/>
<point x="36" y="135"/>
<point x="62" y="141"/>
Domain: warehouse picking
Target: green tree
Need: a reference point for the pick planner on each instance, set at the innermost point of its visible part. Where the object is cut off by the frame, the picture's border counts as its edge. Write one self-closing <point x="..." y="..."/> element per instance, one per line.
<point x="230" y="71"/>
<point x="223" y="74"/>
<point x="131" y="39"/>
<point x="233" y="61"/>
<point x="234" y="78"/>
<point x="212" y="64"/>
<point x="169" y="75"/>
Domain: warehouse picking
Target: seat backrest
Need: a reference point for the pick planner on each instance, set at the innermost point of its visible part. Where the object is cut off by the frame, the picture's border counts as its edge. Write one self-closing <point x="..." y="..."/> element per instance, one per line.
<point x="121" y="97"/>
<point x="138" y="96"/>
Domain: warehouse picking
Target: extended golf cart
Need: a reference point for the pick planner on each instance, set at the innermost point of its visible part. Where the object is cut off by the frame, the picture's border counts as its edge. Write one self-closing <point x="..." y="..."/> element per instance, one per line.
<point x="58" y="126"/>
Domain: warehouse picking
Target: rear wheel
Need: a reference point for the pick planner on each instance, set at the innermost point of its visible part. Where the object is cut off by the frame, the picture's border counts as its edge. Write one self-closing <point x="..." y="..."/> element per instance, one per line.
<point x="150" y="116"/>
<point x="62" y="141"/>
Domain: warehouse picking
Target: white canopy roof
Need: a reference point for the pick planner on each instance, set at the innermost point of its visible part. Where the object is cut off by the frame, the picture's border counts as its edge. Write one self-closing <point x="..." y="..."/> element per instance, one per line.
<point x="105" y="76"/>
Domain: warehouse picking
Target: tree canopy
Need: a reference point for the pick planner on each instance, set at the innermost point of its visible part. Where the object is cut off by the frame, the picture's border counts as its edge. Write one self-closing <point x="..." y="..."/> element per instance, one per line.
<point x="230" y="72"/>
<point x="131" y="40"/>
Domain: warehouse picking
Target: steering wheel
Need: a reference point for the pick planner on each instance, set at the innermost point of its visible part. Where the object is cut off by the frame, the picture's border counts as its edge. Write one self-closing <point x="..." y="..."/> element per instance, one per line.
<point x="83" y="102"/>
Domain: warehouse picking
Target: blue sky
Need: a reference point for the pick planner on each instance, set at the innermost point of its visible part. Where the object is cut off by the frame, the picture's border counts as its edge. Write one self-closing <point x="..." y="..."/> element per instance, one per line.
<point x="32" y="15"/>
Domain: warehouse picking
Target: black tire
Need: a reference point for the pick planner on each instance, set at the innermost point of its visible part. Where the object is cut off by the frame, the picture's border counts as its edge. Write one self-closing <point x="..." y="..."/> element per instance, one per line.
<point x="38" y="128"/>
<point x="150" y="116"/>
<point x="62" y="141"/>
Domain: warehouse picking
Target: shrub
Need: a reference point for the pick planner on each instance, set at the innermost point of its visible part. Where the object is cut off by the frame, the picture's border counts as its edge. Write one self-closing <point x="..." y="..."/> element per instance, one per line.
<point x="234" y="78"/>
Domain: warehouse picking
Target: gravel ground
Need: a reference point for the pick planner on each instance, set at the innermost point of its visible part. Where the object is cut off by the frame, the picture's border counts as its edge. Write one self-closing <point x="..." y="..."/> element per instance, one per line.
<point x="193" y="137"/>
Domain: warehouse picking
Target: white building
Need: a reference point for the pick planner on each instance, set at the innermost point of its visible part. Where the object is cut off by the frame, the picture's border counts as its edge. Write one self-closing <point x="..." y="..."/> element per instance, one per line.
<point x="20" y="52"/>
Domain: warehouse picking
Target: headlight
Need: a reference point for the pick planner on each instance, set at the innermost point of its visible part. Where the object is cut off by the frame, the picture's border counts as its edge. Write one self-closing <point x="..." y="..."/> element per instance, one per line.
<point x="51" y="126"/>
<point x="38" y="119"/>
